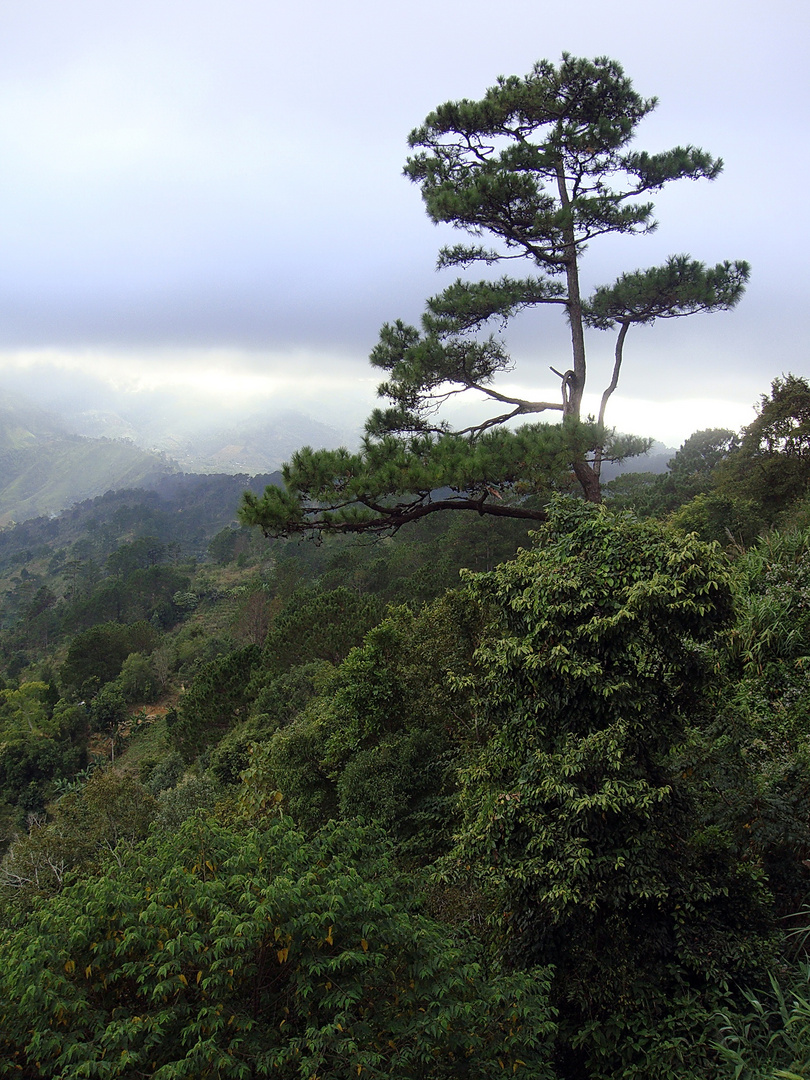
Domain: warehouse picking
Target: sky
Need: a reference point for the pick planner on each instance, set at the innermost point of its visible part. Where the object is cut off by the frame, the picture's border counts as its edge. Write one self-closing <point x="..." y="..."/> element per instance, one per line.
<point x="207" y="199"/>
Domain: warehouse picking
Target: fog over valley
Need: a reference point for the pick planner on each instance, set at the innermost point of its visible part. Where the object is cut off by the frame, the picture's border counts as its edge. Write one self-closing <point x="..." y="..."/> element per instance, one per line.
<point x="205" y="220"/>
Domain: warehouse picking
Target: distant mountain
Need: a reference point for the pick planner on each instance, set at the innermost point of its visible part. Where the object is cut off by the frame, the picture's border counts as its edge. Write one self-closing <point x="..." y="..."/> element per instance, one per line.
<point x="257" y="444"/>
<point x="50" y="461"/>
<point x="180" y="508"/>
<point x="45" y="468"/>
<point x="204" y="444"/>
<point x="654" y="461"/>
<point x="50" y="474"/>
<point x="22" y="423"/>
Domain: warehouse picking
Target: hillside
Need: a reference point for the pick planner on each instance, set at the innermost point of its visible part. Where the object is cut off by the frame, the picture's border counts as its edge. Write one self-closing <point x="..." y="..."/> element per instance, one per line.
<point x="581" y="767"/>
<point x="51" y="459"/>
<point x="47" y="474"/>
<point x="22" y="423"/>
<point x="180" y="508"/>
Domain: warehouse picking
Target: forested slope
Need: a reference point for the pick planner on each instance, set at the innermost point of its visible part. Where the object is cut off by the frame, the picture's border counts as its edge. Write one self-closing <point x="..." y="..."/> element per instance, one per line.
<point x="277" y="808"/>
<point x="44" y="481"/>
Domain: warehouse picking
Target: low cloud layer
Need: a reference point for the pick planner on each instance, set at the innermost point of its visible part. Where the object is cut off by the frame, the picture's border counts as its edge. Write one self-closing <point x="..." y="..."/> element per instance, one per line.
<point x="202" y="198"/>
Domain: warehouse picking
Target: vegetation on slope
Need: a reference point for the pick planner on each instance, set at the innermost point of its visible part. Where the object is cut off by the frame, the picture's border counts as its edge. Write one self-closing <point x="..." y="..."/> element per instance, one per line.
<point x="283" y="809"/>
<point x="49" y="475"/>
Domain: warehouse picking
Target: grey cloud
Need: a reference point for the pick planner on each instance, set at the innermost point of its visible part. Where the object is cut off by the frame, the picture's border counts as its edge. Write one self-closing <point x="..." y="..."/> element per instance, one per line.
<point x="183" y="175"/>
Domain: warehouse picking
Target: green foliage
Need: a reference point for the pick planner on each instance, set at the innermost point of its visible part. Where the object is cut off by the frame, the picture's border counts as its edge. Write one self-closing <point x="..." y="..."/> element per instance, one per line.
<point x="212" y="953"/>
<point x="228" y="545"/>
<point x="420" y="563"/>
<point x="70" y="721"/>
<point x="135" y="555"/>
<point x="164" y="774"/>
<point x="772" y="465"/>
<point x="29" y="766"/>
<point x="196" y="645"/>
<point x="391" y="481"/>
<point x="394" y="724"/>
<point x="731" y="488"/>
<point x="318" y="625"/>
<point x="177" y="804"/>
<point x="291" y="762"/>
<point x="579" y="809"/>
<point x="108" y="709"/>
<point x="25" y="711"/>
<point x="97" y="655"/>
<point x="682" y="286"/>
<point x="150" y="594"/>
<point x="721" y="519"/>
<point x="280" y="699"/>
<point x="596" y="755"/>
<point x="691" y="473"/>
<point x="217" y="699"/>
<point x="137" y="679"/>
<point x="699" y="456"/>
<point x="538" y="168"/>
<point x="381" y="739"/>
<point x="405" y="783"/>
<point x="765" y="653"/>
<point x="771" y="636"/>
<point x="102" y="817"/>
<point x="769" y="1039"/>
<point x="41" y="745"/>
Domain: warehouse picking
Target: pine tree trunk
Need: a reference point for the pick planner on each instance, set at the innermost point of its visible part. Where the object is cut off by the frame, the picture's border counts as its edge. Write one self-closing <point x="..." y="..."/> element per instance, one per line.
<point x="574" y="387"/>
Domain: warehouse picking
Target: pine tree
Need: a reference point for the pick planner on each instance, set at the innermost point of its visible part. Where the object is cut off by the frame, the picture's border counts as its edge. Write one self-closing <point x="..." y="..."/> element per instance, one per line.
<point x="534" y="172"/>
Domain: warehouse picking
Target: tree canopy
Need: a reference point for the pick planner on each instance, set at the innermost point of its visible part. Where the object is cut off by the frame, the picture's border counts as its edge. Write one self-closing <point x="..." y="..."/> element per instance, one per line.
<point x="533" y="172"/>
<point x="221" y="953"/>
<point x="551" y="822"/>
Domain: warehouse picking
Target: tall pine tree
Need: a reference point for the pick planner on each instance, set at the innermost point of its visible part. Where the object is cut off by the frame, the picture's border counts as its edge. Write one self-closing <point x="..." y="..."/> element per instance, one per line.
<point x="533" y="172"/>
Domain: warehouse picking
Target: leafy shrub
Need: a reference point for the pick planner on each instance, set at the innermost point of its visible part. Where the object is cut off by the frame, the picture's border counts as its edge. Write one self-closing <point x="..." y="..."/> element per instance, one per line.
<point x="108" y="708"/>
<point x="580" y="813"/>
<point x="164" y="774"/>
<point x="315" y="625"/>
<point x="218" y="699"/>
<point x="720" y="518"/>
<point x="137" y="679"/>
<point x="109" y="812"/>
<point x="769" y="1037"/>
<point x="216" y="953"/>
<point x="177" y="804"/>
<point x="97" y="655"/>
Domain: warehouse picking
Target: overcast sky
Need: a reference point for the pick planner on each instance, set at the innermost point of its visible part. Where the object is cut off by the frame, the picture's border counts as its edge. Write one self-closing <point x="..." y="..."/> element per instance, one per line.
<point x="210" y="195"/>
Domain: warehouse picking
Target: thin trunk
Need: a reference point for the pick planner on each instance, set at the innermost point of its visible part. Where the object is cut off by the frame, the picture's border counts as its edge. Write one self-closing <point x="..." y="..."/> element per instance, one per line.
<point x="574" y="387"/>
<point x="614" y="382"/>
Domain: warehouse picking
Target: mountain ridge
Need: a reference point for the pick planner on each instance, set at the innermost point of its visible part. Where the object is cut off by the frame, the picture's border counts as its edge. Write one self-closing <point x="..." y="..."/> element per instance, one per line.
<point x="51" y="461"/>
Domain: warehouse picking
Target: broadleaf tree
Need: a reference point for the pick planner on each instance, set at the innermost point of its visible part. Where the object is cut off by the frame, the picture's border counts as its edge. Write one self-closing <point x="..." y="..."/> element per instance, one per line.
<point x="216" y="952"/>
<point x="591" y="807"/>
<point x="534" y="172"/>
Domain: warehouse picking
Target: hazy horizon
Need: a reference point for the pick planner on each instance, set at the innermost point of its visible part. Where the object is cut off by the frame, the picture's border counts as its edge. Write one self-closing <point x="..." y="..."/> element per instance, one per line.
<point x="206" y="208"/>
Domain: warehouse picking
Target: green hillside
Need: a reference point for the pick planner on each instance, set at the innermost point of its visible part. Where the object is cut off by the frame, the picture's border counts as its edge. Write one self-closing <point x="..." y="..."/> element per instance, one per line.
<point x="46" y="474"/>
<point x="22" y="423"/>
<point x="338" y="809"/>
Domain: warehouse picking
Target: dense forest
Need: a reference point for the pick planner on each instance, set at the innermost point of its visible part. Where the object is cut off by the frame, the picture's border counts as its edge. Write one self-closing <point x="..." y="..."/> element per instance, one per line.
<point x="468" y="800"/>
<point x="446" y="757"/>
